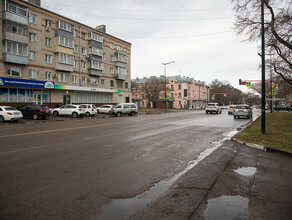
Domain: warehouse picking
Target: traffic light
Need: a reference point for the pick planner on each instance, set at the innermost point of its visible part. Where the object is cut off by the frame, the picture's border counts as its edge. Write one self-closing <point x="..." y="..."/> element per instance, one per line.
<point x="239" y="81"/>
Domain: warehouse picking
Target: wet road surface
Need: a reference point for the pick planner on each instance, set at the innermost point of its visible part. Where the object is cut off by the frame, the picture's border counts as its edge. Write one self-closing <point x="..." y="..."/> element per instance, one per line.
<point x="75" y="169"/>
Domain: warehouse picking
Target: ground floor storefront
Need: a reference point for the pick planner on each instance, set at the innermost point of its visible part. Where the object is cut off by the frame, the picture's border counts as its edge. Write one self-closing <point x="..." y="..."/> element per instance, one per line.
<point x="15" y="92"/>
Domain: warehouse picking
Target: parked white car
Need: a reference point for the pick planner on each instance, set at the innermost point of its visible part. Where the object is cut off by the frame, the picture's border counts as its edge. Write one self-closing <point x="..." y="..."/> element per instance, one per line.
<point x="90" y="109"/>
<point x="8" y="113"/>
<point x="69" y="110"/>
<point x="107" y="109"/>
<point x="125" y="108"/>
<point x="213" y="107"/>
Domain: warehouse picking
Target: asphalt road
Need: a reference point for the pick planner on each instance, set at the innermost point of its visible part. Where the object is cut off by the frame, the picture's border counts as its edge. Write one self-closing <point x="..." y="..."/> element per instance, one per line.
<point x="72" y="169"/>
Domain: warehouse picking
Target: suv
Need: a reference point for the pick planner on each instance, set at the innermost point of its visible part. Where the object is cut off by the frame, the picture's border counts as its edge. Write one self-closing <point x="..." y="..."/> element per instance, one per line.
<point x="73" y="110"/>
<point x="213" y="107"/>
<point x="125" y="108"/>
<point x="282" y="107"/>
<point x="242" y="110"/>
<point x="89" y="109"/>
<point x="34" y="111"/>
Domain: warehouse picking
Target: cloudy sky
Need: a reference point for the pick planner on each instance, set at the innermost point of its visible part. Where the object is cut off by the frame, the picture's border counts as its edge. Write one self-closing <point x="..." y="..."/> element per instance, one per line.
<point x="197" y="34"/>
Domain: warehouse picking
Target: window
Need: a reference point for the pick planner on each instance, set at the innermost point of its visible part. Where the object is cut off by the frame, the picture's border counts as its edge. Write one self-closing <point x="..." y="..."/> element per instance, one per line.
<point x="84" y="51"/>
<point x="32" y="18"/>
<point x="179" y="86"/>
<point x="16" y="9"/>
<point x="83" y="65"/>
<point x="32" y="55"/>
<point x="171" y="87"/>
<point x="112" y="70"/>
<point x="32" y="37"/>
<point x="64" y="58"/>
<point x="119" y="84"/>
<point x="75" y="33"/>
<point x="48" y="58"/>
<point x="62" y="77"/>
<point x="96" y="51"/>
<point x="16" y="28"/>
<point x="122" y="58"/>
<point x="65" y="26"/>
<point x="95" y="64"/>
<point x="95" y="36"/>
<point x="75" y="49"/>
<point x="121" y="71"/>
<point x="16" y="48"/>
<point x="48" y="42"/>
<point x="179" y="95"/>
<point x="111" y="83"/>
<point x="66" y="42"/>
<point x="83" y="79"/>
<point x="14" y="71"/>
<point x="32" y="73"/>
<point x="112" y="58"/>
<point x="119" y="47"/>
<point x="74" y="78"/>
<point x="179" y="103"/>
<point x="93" y="81"/>
<point x="102" y="82"/>
<point x="126" y="85"/>
<point x="111" y="45"/>
<point x="171" y="95"/>
<point x="83" y="36"/>
<point x="48" y="75"/>
<point x="75" y="63"/>
<point x="48" y="23"/>
<point x="185" y="92"/>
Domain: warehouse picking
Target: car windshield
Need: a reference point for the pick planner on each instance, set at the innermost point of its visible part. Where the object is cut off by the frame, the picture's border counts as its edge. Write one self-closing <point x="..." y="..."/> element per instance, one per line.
<point x="211" y="104"/>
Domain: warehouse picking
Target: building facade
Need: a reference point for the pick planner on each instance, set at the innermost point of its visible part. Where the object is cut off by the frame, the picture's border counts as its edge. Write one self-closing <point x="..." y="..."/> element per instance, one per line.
<point x="49" y="59"/>
<point x="182" y="92"/>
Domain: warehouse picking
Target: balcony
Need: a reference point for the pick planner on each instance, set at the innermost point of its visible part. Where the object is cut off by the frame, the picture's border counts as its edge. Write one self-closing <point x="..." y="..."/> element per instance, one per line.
<point x="121" y="52"/>
<point x="14" y="58"/>
<point x="64" y="67"/>
<point x="15" y="37"/>
<point x="120" y="76"/>
<point x="16" y="13"/>
<point x="95" y="72"/>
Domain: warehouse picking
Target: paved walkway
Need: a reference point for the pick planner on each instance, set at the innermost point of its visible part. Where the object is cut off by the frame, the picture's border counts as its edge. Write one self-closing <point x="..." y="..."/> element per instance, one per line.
<point x="234" y="182"/>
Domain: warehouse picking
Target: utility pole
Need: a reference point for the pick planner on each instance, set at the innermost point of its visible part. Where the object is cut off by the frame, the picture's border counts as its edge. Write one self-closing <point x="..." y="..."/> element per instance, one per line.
<point x="263" y="122"/>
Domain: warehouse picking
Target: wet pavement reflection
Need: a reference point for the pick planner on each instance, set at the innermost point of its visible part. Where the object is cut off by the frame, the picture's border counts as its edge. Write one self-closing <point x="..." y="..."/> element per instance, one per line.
<point x="246" y="171"/>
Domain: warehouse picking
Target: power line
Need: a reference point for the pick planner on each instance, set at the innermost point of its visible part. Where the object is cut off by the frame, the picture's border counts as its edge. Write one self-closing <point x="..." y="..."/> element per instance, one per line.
<point x="175" y="37"/>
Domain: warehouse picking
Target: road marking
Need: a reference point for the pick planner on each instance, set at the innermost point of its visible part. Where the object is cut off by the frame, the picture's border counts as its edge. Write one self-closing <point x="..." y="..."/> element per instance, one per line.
<point x="16" y="151"/>
<point x="57" y="130"/>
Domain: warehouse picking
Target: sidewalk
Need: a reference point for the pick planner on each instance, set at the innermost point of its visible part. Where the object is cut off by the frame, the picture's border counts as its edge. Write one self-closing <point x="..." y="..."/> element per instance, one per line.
<point x="234" y="182"/>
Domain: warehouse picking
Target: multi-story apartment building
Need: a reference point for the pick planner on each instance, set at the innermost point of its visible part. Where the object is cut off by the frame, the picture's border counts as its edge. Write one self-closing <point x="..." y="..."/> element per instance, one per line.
<point x="50" y="59"/>
<point x="182" y="92"/>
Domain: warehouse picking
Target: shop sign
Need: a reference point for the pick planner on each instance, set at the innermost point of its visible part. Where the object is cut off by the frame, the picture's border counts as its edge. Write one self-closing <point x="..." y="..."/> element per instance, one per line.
<point x="26" y="83"/>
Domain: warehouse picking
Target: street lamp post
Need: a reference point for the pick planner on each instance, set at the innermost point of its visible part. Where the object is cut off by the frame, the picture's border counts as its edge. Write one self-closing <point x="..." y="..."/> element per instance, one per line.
<point x="165" y="104"/>
<point x="263" y="121"/>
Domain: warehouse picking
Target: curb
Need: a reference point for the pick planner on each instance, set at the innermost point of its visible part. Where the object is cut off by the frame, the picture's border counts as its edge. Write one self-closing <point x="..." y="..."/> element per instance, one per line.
<point x="263" y="148"/>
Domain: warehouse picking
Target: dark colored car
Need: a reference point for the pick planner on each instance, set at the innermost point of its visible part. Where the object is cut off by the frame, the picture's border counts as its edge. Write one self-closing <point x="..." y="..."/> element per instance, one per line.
<point x="35" y="111"/>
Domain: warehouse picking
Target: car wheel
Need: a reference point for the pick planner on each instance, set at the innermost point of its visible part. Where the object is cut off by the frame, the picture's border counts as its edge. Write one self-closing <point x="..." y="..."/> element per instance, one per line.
<point x="119" y="114"/>
<point x="234" y="117"/>
<point x="206" y="112"/>
<point x="55" y="113"/>
<point x="97" y="112"/>
<point x="133" y="113"/>
<point x="44" y="117"/>
<point x="74" y="114"/>
<point x="34" y="116"/>
<point x="87" y="114"/>
<point x="2" y="119"/>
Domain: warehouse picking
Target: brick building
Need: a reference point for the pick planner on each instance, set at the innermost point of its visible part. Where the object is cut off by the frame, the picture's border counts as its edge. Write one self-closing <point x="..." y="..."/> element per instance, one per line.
<point x="182" y="92"/>
<point x="49" y="59"/>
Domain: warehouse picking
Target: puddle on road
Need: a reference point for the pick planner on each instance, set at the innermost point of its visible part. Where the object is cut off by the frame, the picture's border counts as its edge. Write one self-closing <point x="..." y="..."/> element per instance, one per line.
<point x="246" y="171"/>
<point x="227" y="207"/>
<point x="123" y="208"/>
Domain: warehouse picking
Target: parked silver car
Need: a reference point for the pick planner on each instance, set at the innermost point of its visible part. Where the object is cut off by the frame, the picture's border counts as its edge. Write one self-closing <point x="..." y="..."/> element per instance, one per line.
<point x="242" y="111"/>
<point x="125" y="108"/>
<point x="69" y="110"/>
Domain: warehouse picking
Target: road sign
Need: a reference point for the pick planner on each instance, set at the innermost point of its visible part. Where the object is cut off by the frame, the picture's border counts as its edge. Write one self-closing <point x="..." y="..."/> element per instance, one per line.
<point x="213" y="97"/>
<point x="248" y="84"/>
<point x="273" y="84"/>
<point x="273" y="92"/>
<point x="167" y="96"/>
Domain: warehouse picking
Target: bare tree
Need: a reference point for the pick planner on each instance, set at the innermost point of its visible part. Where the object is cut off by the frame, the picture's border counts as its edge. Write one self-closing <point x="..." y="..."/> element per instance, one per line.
<point x="278" y="23"/>
<point x="152" y="88"/>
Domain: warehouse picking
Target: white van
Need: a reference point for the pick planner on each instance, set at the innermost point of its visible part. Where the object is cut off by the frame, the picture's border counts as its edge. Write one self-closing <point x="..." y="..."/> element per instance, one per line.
<point x="125" y="108"/>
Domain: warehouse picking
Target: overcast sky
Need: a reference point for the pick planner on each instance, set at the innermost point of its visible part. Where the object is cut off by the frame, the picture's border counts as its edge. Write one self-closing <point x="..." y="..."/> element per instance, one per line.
<point x="197" y="34"/>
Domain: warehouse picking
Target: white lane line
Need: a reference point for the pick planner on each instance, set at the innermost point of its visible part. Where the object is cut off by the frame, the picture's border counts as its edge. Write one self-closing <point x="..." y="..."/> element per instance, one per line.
<point x="63" y="129"/>
<point x="16" y="151"/>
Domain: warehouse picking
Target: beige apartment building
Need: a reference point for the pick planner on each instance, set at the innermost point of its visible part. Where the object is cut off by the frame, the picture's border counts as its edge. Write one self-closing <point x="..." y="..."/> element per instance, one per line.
<point x="181" y="92"/>
<point x="46" y="58"/>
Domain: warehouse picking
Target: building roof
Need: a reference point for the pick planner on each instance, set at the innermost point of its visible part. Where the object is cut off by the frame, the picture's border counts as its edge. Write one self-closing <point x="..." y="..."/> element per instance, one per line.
<point x="102" y="33"/>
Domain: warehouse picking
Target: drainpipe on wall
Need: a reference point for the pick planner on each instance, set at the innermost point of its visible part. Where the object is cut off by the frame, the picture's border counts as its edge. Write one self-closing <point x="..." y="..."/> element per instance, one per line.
<point x="80" y="55"/>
